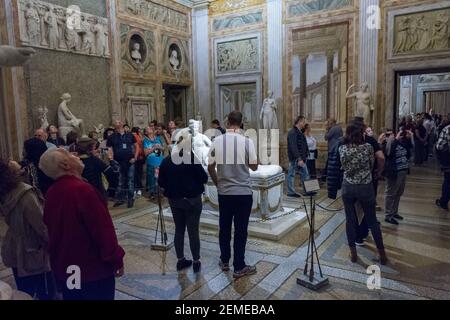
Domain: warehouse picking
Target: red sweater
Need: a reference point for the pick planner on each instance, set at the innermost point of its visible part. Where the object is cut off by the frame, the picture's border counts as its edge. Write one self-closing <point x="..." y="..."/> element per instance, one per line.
<point x="81" y="231"/>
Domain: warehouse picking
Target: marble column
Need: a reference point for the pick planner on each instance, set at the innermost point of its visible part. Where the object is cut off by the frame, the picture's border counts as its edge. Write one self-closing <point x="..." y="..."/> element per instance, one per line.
<point x="368" y="49"/>
<point x="115" y="62"/>
<point x="275" y="46"/>
<point x="303" y="59"/>
<point x="201" y="62"/>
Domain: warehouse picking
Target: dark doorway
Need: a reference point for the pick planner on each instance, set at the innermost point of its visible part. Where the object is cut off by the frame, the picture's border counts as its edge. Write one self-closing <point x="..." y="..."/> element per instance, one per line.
<point x="175" y="101"/>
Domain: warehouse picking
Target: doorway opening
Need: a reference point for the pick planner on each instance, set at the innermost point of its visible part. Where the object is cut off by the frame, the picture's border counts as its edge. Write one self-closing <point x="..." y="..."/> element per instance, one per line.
<point x="418" y="91"/>
<point x="175" y="104"/>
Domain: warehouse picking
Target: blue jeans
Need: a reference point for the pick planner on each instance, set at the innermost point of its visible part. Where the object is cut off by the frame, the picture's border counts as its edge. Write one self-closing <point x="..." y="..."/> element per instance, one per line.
<point x="151" y="179"/>
<point x="126" y="181"/>
<point x="293" y="169"/>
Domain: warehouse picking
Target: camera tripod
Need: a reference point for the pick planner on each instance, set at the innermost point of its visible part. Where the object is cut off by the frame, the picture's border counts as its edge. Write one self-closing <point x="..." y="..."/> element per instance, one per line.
<point x="311" y="279"/>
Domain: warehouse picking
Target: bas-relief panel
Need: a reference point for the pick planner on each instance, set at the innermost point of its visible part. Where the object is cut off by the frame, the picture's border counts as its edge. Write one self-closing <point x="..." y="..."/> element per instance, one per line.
<point x="237" y="20"/>
<point x="221" y="6"/>
<point x="155" y="12"/>
<point x="422" y="32"/>
<point x="141" y="106"/>
<point x="53" y="27"/>
<point x="175" y="57"/>
<point x="241" y="97"/>
<point x="139" y="58"/>
<point x="238" y="56"/>
<point x="303" y="7"/>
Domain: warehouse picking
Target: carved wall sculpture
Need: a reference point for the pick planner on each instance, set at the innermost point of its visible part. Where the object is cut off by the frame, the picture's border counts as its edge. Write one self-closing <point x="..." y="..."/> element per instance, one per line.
<point x="237" y="20"/>
<point x="422" y="32"/>
<point x="49" y="26"/>
<point x="156" y="13"/>
<point x="137" y="49"/>
<point x="175" y="57"/>
<point x="238" y="56"/>
<point x="302" y="7"/>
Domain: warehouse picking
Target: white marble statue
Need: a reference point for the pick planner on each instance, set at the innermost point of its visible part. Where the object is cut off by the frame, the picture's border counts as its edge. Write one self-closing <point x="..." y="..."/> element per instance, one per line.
<point x="66" y="120"/>
<point x="13" y="57"/>
<point x="100" y="130"/>
<point x="200" y="143"/>
<point x="136" y="53"/>
<point x="101" y="38"/>
<point x="364" y="103"/>
<point x="51" y="23"/>
<point x="268" y="114"/>
<point x="87" y="36"/>
<point x="403" y="109"/>
<point x="32" y="24"/>
<point x="43" y="111"/>
<point x="174" y="61"/>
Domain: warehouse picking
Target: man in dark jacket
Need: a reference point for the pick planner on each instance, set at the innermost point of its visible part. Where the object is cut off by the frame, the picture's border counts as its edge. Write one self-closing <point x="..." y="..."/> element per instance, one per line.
<point x="298" y="154"/>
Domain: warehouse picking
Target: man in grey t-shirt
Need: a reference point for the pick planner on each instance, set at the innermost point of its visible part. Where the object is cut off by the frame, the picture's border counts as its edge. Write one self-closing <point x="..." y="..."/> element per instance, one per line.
<point x="233" y="155"/>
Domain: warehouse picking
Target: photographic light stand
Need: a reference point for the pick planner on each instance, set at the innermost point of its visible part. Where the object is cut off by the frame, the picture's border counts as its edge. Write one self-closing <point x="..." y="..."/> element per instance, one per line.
<point x="311" y="279"/>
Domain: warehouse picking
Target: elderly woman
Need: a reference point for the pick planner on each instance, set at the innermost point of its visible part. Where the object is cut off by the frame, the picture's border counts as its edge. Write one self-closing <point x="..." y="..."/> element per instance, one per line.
<point x="24" y="248"/>
<point x="80" y="229"/>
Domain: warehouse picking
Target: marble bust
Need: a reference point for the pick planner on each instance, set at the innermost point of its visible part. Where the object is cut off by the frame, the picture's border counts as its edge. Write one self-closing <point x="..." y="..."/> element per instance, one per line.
<point x="14" y="57"/>
<point x="364" y="105"/>
<point x="268" y="114"/>
<point x="66" y="119"/>
<point x="136" y="53"/>
<point x="174" y="61"/>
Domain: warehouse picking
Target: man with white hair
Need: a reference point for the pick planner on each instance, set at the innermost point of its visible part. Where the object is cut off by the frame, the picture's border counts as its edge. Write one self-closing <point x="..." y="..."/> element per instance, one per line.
<point x="81" y="231"/>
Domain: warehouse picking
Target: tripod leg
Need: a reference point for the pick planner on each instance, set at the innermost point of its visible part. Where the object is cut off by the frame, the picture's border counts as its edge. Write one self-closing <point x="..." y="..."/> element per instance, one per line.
<point x="305" y="271"/>
<point x="311" y="272"/>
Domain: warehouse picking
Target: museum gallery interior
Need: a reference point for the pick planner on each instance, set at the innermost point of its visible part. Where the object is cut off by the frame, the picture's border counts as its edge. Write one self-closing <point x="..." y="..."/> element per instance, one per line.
<point x="81" y="66"/>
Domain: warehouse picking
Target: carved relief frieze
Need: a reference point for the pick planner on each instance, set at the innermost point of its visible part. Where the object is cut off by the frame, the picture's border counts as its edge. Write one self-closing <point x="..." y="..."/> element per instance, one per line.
<point x="53" y="27"/>
<point x="235" y="56"/>
<point x="221" y="6"/>
<point x="156" y="13"/>
<point x="422" y="32"/>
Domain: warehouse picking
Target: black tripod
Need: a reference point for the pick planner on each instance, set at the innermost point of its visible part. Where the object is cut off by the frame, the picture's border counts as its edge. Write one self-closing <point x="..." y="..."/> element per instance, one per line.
<point x="310" y="279"/>
<point x="161" y="242"/>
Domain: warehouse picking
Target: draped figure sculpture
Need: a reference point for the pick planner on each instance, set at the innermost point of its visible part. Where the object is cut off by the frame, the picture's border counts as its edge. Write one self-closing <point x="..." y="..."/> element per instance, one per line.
<point x="66" y="120"/>
<point x="364" y="102"/>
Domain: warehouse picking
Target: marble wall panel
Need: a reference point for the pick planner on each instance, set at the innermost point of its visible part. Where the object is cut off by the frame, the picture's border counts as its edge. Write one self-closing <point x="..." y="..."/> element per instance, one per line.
<point x="237" y="21"/>
<point x="304" y="7"/>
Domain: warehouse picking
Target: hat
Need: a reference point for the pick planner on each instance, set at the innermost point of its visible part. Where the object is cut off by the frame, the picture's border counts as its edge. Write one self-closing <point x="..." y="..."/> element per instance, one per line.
<point x="84" y="145"/>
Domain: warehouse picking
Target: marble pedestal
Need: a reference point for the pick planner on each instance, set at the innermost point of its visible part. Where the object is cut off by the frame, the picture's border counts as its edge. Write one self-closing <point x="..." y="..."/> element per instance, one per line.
<point x="269" y="219"/>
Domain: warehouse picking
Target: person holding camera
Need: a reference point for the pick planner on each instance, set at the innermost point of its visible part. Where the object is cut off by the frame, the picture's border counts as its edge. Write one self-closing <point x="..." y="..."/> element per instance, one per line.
<point x="298" y="154"/>
<point x="398" y="152"/>
<point x="153" y="150"/>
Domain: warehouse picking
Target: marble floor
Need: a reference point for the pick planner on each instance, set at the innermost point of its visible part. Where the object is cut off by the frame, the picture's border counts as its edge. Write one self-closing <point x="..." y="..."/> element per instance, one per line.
<point x="419" y="252"/>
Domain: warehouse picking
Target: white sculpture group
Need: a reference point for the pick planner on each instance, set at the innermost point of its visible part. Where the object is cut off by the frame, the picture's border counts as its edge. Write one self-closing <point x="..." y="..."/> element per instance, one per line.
<point x="58" y="28"/>
<point x="66" y="119"/>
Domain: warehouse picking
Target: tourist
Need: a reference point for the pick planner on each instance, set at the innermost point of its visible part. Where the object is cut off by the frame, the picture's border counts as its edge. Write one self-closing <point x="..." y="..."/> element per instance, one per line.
<point x="215" y="124"/>
<point x="420" y="142"/>
<point x="183" y="184"/>
<point x="153" y="150"/>
<point x="232" y="180"/>
<point x="94" y="136"/>
<point x="71" y="141"/>
<point x="443" y="153"/>
<point x="139" y="165"/>
<point x="33" y="149"/>
<point x="122" y="148"/>
<point x="94" y="167"/>
<point x="333" y="134"/>
<point x="103" y="145"/>
<point x="357" y="158"/>
<point x="429" y="125"/>
<point x="53" y="136"/>
<point x="24" y="247"/>
<point x="362" y="229"/>
<point x="42" y="134"/>
<point x="298" y="154"/>
<point x="127" y="128"/>
<point x="81" y="231"/>
<point x="313" y="152"/>
<point x="398" y="152"/>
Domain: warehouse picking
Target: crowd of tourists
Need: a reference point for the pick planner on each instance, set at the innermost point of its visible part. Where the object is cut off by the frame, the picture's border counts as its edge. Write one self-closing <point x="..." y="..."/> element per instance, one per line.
<point x="55" y="201"/>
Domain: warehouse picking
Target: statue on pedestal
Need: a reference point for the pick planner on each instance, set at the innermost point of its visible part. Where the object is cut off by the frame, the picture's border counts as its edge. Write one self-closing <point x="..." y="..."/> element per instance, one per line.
<point x="200" y="143"/>
<point x="43" y="117"/>
<point x="66" y="120"/>
<point x="364" y="103"/>
<point x="268" y="114"/>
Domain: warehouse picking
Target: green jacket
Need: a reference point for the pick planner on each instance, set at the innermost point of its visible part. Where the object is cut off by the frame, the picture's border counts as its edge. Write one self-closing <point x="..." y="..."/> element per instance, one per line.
<point x="26" y="240"/>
